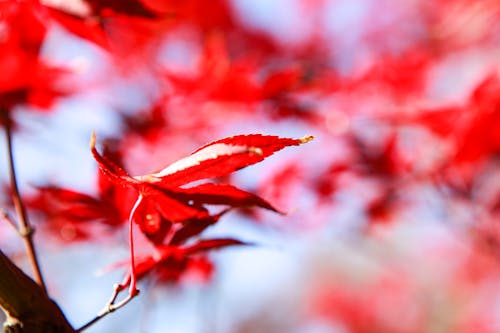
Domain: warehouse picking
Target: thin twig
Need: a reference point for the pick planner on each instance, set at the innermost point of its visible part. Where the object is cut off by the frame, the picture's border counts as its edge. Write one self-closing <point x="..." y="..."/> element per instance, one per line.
<point x="6" y="216"/>
<point x="110" y="306"/>
<point x="116" y="291"/>
<point x="24" y="229"/>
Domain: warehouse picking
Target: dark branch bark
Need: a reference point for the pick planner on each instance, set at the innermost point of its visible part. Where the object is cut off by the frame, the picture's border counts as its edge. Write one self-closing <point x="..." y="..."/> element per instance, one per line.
<point x="26" y="305"/>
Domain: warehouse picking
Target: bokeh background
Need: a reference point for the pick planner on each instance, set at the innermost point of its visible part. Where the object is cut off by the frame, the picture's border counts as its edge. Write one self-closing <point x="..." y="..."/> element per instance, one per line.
<point x="392" y="210"/>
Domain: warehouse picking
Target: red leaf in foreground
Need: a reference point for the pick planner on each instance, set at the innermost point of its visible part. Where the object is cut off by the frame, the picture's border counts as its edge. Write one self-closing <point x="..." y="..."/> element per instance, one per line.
<point x="221" y="194"/>
<point x="172" y="262"/>
<point x="161" y="192"/>
<point x="126" y="7"/>
<point x="171" y="208"/>
<point x="212" y="244"/>
<point x="154" y="226"/>
<point x="162" y="202"/>
<point x="222" y="157"/>
<point x="194" y="227"/>
<point x="114" y="172"/>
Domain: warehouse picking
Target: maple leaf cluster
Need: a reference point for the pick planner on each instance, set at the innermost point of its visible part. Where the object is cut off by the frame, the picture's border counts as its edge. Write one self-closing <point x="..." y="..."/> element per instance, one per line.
<point x="170" y="215"/>
<point x="167" y="212"/>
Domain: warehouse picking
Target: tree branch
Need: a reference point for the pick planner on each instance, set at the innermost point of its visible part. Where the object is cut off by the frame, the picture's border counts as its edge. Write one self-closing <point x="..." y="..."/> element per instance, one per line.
<point x="26" y="305"/>
<point x="24" y="228"/>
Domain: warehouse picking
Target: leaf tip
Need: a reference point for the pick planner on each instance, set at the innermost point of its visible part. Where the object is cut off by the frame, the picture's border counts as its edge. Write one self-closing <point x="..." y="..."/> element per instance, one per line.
<point x="306" y="139"/>
<point x="92" y="140"/>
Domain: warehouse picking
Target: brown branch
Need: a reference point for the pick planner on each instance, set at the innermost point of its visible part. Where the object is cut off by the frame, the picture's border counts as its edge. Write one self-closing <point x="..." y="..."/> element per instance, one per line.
<point x="24" y="228"/>
<point x="26" y="305"/>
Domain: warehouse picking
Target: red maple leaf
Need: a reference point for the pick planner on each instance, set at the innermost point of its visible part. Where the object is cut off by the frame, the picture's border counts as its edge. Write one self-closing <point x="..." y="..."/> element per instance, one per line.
<point x="126" y="7"/>
<point x="162" y="202"/>
<point x="171" y="262"/>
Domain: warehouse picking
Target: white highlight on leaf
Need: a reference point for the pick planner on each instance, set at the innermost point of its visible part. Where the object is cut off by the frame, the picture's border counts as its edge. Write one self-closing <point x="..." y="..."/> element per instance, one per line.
<point x="208" y="153"/>
<point x="76" y="7"/>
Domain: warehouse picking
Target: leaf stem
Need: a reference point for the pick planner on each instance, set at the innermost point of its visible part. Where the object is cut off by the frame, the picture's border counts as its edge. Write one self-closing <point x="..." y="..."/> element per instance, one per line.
<point x="24" y="228"/>
<point x="133" y="278"/>
<point x="111" y="306"/>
